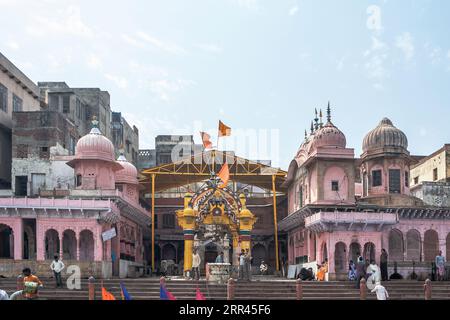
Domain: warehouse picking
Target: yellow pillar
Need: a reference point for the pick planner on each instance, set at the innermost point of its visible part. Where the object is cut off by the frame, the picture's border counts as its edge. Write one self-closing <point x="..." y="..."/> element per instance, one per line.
<point x="153" y="221"/>
<point x="246" y="222"/>
<point x="186" y="220"/>
<point x="275" y="222"/>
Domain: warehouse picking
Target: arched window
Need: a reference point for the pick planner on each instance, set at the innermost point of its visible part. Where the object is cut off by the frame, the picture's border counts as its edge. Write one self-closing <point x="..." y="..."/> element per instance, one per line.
<point x="413" y="245"/>
<point x="51" y="243"/>
<point x="6" y="242"/>
<point x="258" y="254"/>
<point x="340" y="259"/>
<point x="396" y="245"/>
<point x="169" y="252"/>
<point x="354" y="251"/>
<point x="430" y="245"/>
<point x="369" y="251"/>
<point x="86" y="244"/>
<point x="69" y="245"/>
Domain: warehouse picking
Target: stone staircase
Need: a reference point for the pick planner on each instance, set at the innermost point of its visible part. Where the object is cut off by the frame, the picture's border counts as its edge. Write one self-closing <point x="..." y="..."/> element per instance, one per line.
<point x="148" y="289"/>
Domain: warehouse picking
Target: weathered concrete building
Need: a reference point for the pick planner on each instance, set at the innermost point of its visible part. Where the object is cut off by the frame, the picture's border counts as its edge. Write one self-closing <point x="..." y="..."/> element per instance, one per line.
<point x="125" y="137"/>
<point x="17" y="93"/>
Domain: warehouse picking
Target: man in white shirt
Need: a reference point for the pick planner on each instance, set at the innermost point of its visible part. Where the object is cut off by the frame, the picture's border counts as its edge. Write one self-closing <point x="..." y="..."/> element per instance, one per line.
<point x="57" y="266"/>
<point x="196" y="260"/>
<point x="381" y="291"/>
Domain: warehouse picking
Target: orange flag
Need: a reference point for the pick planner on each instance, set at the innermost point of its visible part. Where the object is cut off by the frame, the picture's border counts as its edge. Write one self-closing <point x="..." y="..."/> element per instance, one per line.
<point x="224" y="130"/>
<point x="224" y="175"/>
<point x="205" y="139"/>
<point x="106" y="295"/>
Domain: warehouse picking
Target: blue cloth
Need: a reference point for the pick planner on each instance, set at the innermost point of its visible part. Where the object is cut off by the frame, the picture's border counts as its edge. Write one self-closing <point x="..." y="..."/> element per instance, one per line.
<point x="125" y="294"/>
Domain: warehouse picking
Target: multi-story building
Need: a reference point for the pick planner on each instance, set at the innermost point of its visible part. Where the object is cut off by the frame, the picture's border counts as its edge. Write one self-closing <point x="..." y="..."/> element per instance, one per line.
<point x="430" y="178"/>
<point x="17" y="93"/>
<point x="125" y="137"/>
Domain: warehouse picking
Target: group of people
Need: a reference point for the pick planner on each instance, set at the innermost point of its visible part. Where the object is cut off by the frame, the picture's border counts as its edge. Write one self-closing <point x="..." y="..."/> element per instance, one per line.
<point x="245" y="265"/>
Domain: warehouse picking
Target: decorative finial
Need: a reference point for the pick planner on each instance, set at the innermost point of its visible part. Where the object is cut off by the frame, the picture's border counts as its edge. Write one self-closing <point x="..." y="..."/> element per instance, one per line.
<point x="316" y="121"/>
<point x="312" y="127"/>
<point x="306" y="134"/>
<point x="95" y="129"/>
<point x="328" y="112"/>
<point x="320" y="116"/>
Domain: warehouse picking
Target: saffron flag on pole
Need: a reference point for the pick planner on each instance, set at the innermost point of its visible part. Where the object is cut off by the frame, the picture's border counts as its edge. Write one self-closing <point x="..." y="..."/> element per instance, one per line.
<point x="124" y="292"/>
<point x="199" y="295"/>
<point x="206" y="140"/>
<point x="224" y="175"/>
<point x="164" y="294"/>
<point x="224" y="130"/>
<point x="106" y="295"/>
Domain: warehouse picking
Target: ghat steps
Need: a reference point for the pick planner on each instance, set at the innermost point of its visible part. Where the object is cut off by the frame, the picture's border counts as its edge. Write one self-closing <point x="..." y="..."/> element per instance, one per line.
<point x="148" y="289"/>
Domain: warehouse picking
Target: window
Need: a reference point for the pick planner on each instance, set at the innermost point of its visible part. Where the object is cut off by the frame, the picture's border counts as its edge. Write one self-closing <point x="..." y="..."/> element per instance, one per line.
<point x="78" y="180"/>
<point x="3" y="98"/>
<point x="72" y="145"/>
<point x="66" y="104"/>
<point x="22" y="151"/>
<point x="78" y="109"/>
<point x="377" y="180"/>
<point x="334" y="185"/>
<point x="168" y="221"/>
<point x="17" y="103"/>
<point x="54" y="102"/>
<point x="394" y="181"/>
<point x="407" y="179"/>
<point x="119" y="187"/>
<point x="300" y="197"/>
<point x="435" y="174"/>
<point x="416" y="180"/>
<point x="44" y="153"/>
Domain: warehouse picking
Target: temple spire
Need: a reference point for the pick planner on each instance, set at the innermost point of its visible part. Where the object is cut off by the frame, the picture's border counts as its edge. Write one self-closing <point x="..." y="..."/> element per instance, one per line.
<point x="328" y="112"/>
<point x="316" y="121"/>
<point x="321" y="121"/>
<point x="312" y="127"/>
<point x="306" y="134"/>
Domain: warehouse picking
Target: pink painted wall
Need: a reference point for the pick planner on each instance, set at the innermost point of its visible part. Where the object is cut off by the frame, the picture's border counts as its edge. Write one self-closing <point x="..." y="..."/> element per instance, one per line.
<point x="335" y="173"/>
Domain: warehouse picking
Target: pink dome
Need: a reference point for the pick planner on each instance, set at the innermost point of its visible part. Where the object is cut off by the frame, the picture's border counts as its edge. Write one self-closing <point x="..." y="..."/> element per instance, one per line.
<point x="129" y="172"/>
<point x="329" y="136"/>
<point x="94" y="146"/>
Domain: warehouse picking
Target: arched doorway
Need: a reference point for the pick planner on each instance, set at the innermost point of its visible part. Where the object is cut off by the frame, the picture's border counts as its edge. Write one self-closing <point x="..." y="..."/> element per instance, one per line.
<point x="340" y="259"/>
<point x="51" y="243"/>
<point x="69" y="245"/>
<point x="211" y="252"/>
<point x="396" y="251"/>
<point x="430" y="245"/>
<point x="369" y="251"/>
<point x="354" y="251"/>
<point x="6" y="242"/>
<point x="29" y="243"/>
<point x="169" y="252"/>
<point x="86" y="245"/>
<point x="447" y="246"/>
<point x="413" y="245"/>
<point x="258" y="254"/>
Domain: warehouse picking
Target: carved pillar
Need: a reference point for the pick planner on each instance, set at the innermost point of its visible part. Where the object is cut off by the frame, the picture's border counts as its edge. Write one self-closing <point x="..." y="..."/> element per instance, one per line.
<point x="61" y="236"/>
<point x="18" y="239"/>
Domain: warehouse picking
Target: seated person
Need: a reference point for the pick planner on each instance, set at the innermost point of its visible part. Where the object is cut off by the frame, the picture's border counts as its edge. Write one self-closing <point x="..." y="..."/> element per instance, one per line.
<point x="263" y="268"/>
<point x="323" y="269"/>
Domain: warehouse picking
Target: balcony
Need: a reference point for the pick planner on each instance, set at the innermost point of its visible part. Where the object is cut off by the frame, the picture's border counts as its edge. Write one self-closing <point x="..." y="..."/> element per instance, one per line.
<point x="349" y="221"/>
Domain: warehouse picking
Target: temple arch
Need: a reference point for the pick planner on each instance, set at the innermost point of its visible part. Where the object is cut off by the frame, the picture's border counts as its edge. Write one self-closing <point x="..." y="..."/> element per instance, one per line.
<point x="86" y="245"/>
<point x="6" y="242"/>
<point x="69" y="245"/>
<point x="413" y="245"/>
<point x="258" y="254"/>
<point x="340" y="259"/>
<point x="369" y="251"/>
<point x="51" y="243"/>
<point x="430" y="245"/>
<point x="396" y="248"/>
<point x="354" y="251"/>
<point x="169" y="252"/>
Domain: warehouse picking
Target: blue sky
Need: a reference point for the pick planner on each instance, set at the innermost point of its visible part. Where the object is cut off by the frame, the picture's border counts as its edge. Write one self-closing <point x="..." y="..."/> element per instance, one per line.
<point x="178" y="66"/>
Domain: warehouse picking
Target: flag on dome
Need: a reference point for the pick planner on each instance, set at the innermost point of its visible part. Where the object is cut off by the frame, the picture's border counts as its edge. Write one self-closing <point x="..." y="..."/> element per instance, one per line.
<point x="224" y="130"/>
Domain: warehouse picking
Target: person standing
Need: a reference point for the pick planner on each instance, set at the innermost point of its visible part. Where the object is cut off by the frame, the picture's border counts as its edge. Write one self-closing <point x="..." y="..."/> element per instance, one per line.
<point x="31" y="283"/>
<point x="440" y="266"/>
<point x="381" y="291"/>
<point x="241" y="264"/>
<point x="384" y="265"/>
<point x="360" y="271"/>
<point x="57" y="267"/>
<point x="248" y="265"/>
<point x="196" y="260"/>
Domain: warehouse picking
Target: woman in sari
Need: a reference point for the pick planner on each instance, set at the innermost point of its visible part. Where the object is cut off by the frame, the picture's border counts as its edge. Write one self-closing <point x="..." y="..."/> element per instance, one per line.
<point x="322" y="271"/>
<point x="351" y="271"/>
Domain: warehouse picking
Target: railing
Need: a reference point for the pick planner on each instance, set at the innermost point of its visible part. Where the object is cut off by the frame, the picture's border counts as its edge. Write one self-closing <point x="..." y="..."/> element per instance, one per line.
<point x="53" y="203"/>
<point x="351" y="217"/>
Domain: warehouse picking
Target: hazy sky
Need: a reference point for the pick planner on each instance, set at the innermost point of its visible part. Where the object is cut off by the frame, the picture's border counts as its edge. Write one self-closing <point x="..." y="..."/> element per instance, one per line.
<point x="177" y="67"/>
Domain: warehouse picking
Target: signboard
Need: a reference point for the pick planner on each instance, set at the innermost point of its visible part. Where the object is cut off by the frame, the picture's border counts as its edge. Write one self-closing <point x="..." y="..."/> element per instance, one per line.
<point x="292" y="271"/>
<point x="109" y="234"/>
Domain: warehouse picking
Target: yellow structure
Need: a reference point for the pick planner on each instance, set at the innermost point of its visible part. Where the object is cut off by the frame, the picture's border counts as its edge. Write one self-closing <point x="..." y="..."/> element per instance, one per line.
<point x="215" y="207"/>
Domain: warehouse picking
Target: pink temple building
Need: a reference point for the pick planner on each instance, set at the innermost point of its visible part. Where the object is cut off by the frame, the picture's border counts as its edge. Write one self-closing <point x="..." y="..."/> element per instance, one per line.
<point x="105" y="197"/>
<point x="339" y="206"/>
